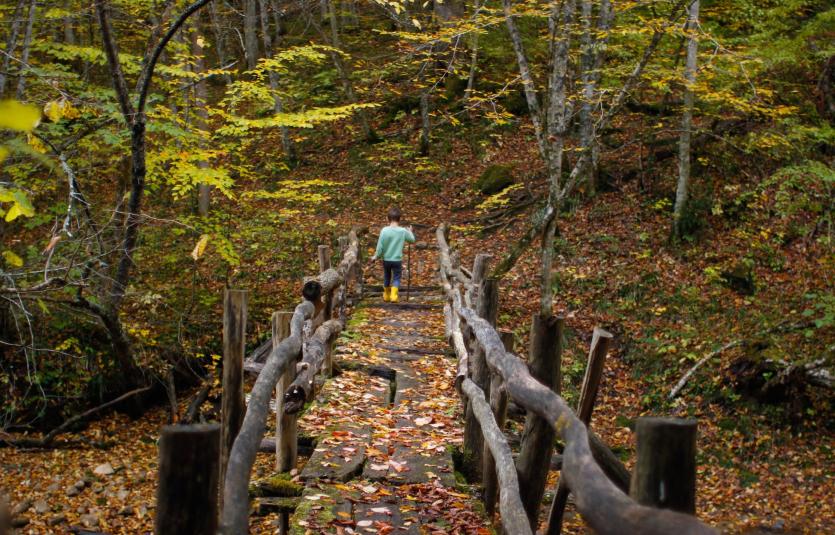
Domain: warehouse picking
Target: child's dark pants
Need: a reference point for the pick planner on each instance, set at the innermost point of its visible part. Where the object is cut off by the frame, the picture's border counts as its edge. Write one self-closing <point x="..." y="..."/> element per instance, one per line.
<point x="392" y="272"/>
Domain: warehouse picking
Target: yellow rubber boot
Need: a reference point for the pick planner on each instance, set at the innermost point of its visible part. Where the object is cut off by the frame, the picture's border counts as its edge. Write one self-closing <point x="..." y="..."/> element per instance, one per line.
<point x="387" y="293"/>
<point x="393" y="297"/>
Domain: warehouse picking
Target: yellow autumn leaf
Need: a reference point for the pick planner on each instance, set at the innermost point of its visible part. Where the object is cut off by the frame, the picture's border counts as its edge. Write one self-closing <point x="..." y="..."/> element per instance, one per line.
<point x="17" y="116"/>
<point x="200" y="247"/>
<point x="4" y="152"/>
<point x="12" y="259"/>
<point x="36" y="144"/>
<point x="56" y="110"/>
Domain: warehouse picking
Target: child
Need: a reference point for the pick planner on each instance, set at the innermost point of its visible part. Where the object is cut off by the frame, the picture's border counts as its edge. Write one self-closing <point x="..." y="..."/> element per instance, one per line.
<point x="390" y="249"/>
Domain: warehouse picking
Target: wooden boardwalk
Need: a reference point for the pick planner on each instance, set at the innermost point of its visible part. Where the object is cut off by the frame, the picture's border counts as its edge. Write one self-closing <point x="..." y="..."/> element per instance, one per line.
<point x="387" y="425"/>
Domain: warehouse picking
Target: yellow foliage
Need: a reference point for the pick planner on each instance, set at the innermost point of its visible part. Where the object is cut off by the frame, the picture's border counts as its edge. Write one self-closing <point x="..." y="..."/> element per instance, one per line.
<point x="17" y="116"/>
<point x="12" y="259"/>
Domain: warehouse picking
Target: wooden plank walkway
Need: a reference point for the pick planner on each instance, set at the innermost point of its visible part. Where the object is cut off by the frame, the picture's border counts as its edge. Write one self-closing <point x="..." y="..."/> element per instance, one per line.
<point x="383" y="462"/>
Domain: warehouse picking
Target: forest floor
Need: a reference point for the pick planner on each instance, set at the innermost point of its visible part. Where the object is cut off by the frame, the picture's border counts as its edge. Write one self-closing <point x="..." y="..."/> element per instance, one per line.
<point x="756" y="469"/>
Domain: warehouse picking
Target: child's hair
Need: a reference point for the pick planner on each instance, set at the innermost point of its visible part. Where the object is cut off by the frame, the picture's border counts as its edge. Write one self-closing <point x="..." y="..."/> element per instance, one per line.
<point x="394" y="214"/>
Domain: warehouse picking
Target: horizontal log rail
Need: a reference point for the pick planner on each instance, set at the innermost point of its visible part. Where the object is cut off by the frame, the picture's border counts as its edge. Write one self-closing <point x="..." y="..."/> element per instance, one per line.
<point x="330" y="281"/>
<point x="331" y="285"/>
<point x="603" y="505"/>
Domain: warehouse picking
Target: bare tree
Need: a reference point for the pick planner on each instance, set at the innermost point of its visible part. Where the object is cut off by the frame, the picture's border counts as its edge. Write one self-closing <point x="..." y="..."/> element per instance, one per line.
<point x="682" y="188"/>
<point x="134" y="117"/>
<point x="201" y="95"/>
<point x="278" y="105"/>
<point x="549" y="128"/>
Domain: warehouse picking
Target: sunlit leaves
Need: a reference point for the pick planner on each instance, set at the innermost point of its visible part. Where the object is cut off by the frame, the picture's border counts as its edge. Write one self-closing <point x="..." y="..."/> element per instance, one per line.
<point x="12" y="259"/>
<point x="305" y="119"/>
<point x="296" y="191"/>
<point x="181" y="171"/>
<point x="56" y="110"/>
<point x="17" y="116"/>
<point x="200" y="247"/>
<point x="20" y="204"/>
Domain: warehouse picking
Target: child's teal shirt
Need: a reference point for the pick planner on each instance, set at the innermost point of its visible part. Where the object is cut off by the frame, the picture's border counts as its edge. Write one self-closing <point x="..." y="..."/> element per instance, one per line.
<point x="390" y="243"/>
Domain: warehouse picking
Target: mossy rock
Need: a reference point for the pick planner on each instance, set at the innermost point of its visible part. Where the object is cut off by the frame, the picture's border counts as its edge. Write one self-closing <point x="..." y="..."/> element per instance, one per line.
<point x="494" y="179"/>
<point x="278" y="485"/>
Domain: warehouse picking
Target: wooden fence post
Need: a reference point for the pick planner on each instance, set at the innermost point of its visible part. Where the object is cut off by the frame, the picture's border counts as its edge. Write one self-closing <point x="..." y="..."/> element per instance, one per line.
<point x="588" y="395"/>
<point x="324" y="252"/>
<point x="324" y="265"/>
<point x="665" y="468"/>
<point x="498" y="404"/>
<point x="487" y="308"/>
<point x="538" y="435"/>
<point x="187" y="493"/>
<point x="232" y="401"/>
<point x="286" y="430"/>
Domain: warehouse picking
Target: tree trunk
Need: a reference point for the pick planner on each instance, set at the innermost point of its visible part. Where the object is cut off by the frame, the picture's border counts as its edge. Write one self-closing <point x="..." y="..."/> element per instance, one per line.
<point x="251" y="33"/>
<point x="201" y="96"/>
<point x="556" y="126"/>
<point x="24" y="54"/>
<point x="344" y="70"/>
<point x="69" y="32"/>
<point x="278" y="106"/>
<point x="473" y="53"/>
<point x="683" y="186"/>
<point x="220" y="42"/>
<point x="587" y="41"/>
<point x="425" y="122"/>
<point x="11" y="45"/>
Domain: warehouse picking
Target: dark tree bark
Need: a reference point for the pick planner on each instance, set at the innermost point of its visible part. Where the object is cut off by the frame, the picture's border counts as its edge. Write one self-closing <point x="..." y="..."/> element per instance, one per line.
<point x="488" y="304"/>
<point x="135" y="121"/>
<point x="187" y="490"/>
<point x="278" y="105"/>
<point x="24" y="54"/>
<point x="538" y="435"/>
<point x="251" y="33"/>
<point x="665" y="469"/>
<point x="11" y="45"/>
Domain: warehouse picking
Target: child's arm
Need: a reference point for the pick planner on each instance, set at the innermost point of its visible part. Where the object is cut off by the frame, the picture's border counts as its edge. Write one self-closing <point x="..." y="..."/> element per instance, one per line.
<point x="410" y="237"/>
<point x="379" y="252"/>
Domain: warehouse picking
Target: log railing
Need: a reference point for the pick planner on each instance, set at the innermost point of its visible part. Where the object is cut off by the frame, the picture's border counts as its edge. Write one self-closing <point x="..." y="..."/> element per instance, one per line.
<point x="323" y="295"/>
<point x="600" y="501"/>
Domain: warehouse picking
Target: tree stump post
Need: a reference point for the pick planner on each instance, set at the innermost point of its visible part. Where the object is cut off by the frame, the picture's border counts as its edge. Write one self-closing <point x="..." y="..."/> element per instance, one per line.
<point x="498" y="404"/>
<point x="187" y="493"/>
<point x="286" y="428"/>
<point x="665" y="468"/>
<point x="588" y="395"/>
<point x="233" y="405"/>
<point x="487" y="308"/>
<point x="538" y="435"/>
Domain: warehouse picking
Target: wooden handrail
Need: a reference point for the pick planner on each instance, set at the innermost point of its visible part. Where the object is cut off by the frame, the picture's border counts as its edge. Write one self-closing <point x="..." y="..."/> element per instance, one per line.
<point x="606" y="508"/>
<point x="234" y="517"/>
